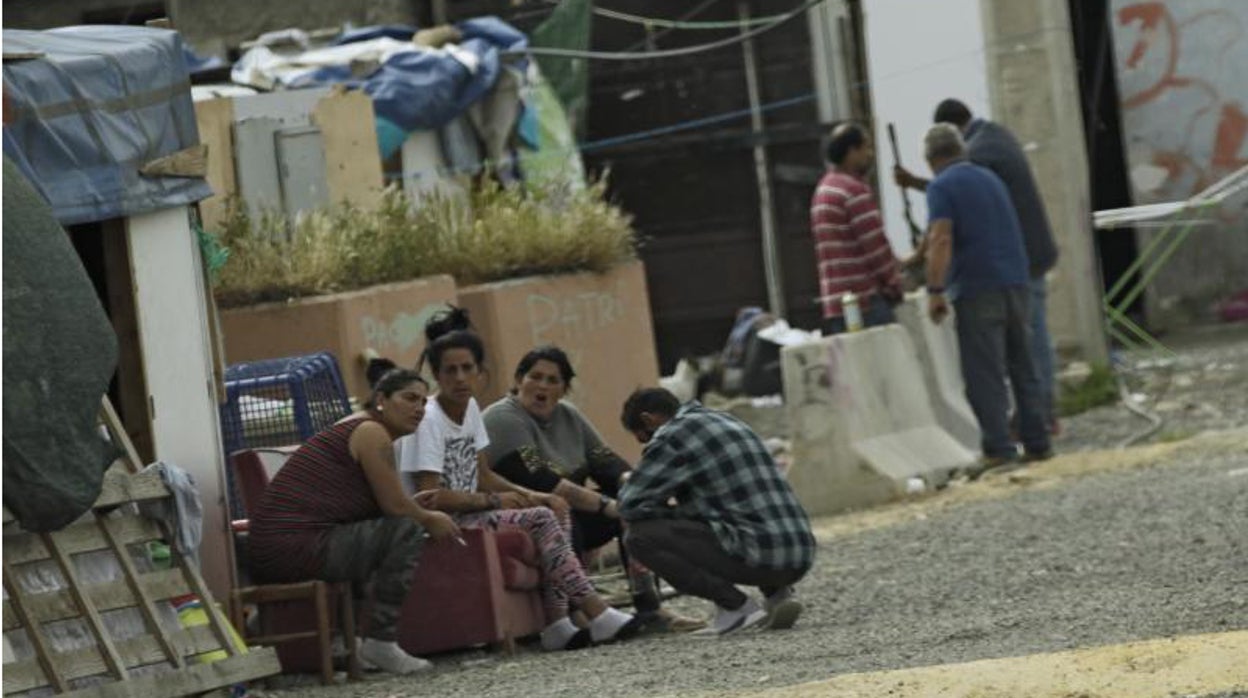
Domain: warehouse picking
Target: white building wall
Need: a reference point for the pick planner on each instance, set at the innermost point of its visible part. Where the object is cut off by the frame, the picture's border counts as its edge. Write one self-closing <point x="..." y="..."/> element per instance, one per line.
<point x="177" y="362"/>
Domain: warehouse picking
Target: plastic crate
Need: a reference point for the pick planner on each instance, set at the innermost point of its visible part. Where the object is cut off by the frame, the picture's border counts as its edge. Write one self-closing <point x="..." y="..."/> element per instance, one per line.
<point x="280" y="402"/>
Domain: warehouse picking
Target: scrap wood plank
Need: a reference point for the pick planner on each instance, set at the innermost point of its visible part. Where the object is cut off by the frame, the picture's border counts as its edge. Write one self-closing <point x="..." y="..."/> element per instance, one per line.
<point x="85" y="606"/>
<point x="17" y="600"/>
<point x="219" y="627"/>
<point x="146" y="607"/>
<point x="49" y="606"/>
<point x="121" y="488"/>
<point x="188" y="162"/>
<point x="194" y="679"/>
<point x="82" y="537"/>
<point x="189" y="571"/>
<point x="80" y="663"/>
<point x="352" y="160"/>
<point x="117" y="432"/>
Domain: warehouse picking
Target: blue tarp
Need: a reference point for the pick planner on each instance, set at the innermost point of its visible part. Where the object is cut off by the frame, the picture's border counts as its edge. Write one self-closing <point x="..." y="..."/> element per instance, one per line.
<point x="97" y="105"/>
<point x="414" y="88"/>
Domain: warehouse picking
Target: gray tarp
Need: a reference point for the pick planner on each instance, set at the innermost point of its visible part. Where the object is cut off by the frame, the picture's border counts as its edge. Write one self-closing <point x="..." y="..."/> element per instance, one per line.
<point x="97" y="104"/>
<point x="59" y="354"/>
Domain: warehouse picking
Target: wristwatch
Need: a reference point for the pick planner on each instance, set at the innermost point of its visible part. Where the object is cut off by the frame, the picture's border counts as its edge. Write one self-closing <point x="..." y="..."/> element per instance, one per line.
<point x="935" y="290"/>
<point x="493" y="501"/>
<point x="603" y="502"/>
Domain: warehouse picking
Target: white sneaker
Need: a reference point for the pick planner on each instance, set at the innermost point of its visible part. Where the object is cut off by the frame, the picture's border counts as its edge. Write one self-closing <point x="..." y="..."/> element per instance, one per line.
<point x="391" y="658"/>
<point x="728" y="621"/>
<point x="338" y="649"/>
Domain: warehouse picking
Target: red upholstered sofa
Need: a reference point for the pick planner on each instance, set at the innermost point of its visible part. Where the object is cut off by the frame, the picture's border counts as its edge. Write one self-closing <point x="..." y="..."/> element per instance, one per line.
<point x="484" y="593"/>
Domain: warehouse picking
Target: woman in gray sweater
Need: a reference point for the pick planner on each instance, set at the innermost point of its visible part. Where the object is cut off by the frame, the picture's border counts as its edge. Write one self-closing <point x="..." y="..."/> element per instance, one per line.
<point x="539" y="441"/>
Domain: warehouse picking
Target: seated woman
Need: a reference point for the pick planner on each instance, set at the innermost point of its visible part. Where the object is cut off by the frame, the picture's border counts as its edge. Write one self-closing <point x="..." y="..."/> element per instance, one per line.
<point x="336" y="511"/>
<point x="545" y="444"/>
<point x="447" y="466"/>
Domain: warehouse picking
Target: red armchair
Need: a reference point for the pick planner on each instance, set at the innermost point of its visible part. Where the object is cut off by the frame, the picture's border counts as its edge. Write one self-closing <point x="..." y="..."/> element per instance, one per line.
<point x="488" y="592"/>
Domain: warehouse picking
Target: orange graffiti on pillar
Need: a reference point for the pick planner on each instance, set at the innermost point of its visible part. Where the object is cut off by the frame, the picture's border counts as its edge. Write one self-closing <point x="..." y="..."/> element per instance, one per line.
<point x="1229" y="141"/>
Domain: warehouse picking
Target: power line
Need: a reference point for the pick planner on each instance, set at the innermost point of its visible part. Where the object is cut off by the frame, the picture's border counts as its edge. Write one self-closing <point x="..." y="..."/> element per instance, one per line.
<point x="668" y="53"/>
<point x="682" y="24"/>
<point x="693" y="123"/>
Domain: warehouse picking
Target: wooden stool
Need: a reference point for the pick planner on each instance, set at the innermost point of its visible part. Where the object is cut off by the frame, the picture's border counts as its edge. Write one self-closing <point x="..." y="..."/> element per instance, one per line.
<point x="319" y="593"/>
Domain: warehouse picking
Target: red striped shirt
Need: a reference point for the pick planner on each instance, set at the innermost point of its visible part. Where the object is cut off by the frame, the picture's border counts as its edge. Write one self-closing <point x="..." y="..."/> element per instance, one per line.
<point x="851" y="249"/>
<point x="318" y="488"/>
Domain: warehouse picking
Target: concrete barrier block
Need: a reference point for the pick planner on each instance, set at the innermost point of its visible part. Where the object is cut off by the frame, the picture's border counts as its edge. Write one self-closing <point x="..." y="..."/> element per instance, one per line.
<point x="862" y="420"/>
<point x="937" y="347"/>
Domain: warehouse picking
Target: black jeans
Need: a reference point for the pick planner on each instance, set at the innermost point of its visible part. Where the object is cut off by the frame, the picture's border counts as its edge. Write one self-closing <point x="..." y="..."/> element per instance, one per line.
<point x="995" y="344"/>
<point x="688" y="555"/>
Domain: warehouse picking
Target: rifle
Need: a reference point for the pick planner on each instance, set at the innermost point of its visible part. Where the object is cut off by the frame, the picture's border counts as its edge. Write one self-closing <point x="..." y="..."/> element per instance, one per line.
<point x="915" y="232"/>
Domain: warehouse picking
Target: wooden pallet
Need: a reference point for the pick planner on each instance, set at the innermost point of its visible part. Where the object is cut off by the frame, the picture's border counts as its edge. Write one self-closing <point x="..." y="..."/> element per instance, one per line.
<point x="100" y="530"/>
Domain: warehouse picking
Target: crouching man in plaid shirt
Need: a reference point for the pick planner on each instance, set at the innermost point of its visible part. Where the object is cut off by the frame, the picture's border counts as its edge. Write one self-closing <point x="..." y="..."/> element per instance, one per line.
<point x="708" y="509"/>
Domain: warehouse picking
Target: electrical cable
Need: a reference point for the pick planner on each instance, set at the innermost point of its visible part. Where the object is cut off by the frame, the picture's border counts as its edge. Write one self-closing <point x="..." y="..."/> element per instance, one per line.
<point x="666" y="53"/>
<point x="693" y="123"/>
<point x="681" y="24"/>
<point x="1155" y="421"/>
<point x="652" y="38"/>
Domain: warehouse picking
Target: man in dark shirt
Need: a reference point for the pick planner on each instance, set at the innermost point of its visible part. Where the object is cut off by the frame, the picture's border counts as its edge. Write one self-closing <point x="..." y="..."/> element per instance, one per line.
<point x="975" y="248"/>
<point x="993" y="146"/>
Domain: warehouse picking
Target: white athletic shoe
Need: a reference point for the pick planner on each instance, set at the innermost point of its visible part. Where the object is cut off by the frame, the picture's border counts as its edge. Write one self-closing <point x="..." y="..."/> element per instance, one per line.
<point x="728" y="621"/>
<point x="391" y="658"/>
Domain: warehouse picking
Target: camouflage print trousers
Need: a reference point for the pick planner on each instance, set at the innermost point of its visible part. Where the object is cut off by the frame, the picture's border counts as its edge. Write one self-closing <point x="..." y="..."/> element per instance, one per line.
<point x="384" y="551"/>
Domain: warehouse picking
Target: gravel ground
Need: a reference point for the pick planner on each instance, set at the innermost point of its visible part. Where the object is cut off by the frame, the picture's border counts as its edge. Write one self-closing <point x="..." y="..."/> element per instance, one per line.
<point x="1091" y="548"/>
<point x="1204" y="387"/>
<point x="1150" y="551"/>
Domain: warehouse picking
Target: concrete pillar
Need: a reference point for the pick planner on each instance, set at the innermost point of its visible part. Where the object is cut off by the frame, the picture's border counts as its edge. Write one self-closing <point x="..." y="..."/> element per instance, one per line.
<point x="1034" y="91"/>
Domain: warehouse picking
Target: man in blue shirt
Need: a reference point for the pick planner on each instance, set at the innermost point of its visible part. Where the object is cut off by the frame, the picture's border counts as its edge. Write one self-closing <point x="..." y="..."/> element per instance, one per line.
<point x="992" y="145"/>
<point x="975" y="246"/>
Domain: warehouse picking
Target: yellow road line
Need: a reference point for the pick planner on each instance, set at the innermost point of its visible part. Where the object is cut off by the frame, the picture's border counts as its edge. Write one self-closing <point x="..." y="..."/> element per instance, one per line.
<point x="1194" y="665"/>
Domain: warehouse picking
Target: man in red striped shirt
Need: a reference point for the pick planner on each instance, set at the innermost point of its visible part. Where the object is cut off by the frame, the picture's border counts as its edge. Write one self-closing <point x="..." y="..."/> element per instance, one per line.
<point x="851" y="249"/>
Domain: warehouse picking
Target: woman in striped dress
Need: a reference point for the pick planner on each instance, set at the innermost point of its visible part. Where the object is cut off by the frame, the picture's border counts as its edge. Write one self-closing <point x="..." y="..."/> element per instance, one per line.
<point x="336" y="511"/>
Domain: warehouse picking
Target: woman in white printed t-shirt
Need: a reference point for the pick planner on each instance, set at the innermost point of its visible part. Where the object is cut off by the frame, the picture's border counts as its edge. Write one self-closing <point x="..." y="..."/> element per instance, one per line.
<point x="445" y="464"/>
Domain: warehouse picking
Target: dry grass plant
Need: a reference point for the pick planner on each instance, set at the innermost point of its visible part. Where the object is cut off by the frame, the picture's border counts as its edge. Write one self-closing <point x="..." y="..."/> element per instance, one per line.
<point x="492" y="233"/>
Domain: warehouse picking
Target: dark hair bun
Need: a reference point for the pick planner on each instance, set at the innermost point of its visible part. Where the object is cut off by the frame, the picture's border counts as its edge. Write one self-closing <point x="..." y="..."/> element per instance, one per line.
<point x="447" y="321"/>
<point x="378" y="367"/>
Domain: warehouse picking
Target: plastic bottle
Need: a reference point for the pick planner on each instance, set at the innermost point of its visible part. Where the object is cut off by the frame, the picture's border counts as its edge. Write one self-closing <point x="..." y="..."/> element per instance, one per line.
<point x="853" y="314"/>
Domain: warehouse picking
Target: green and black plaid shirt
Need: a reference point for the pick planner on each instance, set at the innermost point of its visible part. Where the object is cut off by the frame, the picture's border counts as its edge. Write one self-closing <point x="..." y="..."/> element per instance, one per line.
<point x="718" y="471"/>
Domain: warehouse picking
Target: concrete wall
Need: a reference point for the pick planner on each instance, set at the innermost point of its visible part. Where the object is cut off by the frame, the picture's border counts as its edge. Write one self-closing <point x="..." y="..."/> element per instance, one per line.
<point x="1184" y="104"/>
<point x="211" y="27"/>
<point x="1034" y="91"/>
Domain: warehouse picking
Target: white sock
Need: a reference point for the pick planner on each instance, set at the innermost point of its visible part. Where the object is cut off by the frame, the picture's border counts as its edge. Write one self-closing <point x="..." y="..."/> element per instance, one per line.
<point x="556" y="635"/>
<point x="607" y="624"/>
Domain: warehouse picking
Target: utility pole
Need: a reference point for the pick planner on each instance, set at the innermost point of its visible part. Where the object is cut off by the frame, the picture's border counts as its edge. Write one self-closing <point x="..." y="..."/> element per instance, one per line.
<point x="766" y="206"/>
